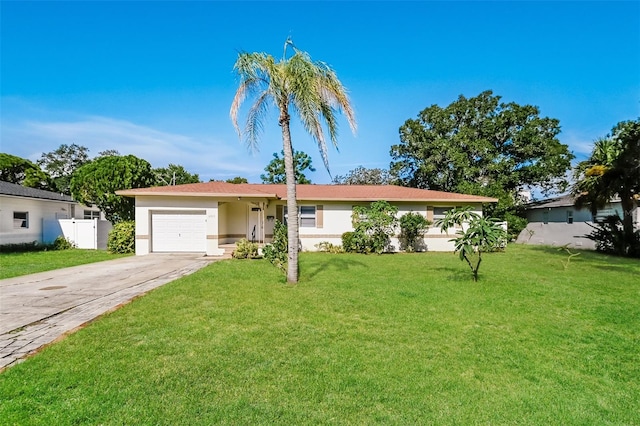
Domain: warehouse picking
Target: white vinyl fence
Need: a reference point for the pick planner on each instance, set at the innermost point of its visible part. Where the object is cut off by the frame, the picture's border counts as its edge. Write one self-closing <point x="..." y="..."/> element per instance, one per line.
<point x="84" y="233"/>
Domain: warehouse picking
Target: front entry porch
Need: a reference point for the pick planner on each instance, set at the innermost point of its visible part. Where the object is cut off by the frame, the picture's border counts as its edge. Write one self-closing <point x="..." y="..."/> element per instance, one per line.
<point x="242" y="219"/>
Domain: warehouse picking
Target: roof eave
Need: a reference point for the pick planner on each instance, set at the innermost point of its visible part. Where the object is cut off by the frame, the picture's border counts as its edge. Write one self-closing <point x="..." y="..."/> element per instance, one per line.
<point x="130" y="193"/>
<point x="412" y="200"/>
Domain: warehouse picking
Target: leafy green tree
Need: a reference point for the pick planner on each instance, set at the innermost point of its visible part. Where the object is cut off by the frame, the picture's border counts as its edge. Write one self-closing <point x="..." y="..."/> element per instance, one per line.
<point x="23" y="172"/>
<point x="108" y="153"/>
<point x="297" y="83"/>
<point x="237" y="179"/>
<point x="363" y="176"/>
<point x="276" y="168"/>
<point x="412" y="229"/>
<point x="613" y="170"/>
<point x="373" y="227"/>
<point x="174" y="175"/>
<point x="483" y="147"/>
<point x="61" y="163"/>
<point x="97" y="181"/>
<point x="480" y="234"/>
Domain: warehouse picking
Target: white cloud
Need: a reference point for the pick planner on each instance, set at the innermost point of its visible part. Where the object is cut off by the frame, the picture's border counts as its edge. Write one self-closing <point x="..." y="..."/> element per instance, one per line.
<point x="208" y="157"/>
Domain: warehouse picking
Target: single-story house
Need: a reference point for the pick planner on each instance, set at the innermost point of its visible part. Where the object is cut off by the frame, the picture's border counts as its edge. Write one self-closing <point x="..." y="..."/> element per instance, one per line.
<point x="200" y="217"/>
<point x="557" y="222"/>
<point x="29" y="214"/>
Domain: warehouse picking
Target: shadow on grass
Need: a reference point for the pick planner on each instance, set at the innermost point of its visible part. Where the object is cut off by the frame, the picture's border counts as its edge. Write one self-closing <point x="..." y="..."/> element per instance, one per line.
<point x="460" y="275"/>
<point x="627" y="269"/>
<point x="335" y="263"/>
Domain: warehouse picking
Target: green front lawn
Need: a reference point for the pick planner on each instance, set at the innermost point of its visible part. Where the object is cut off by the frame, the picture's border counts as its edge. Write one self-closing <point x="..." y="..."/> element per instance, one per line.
<point x="17" y="264"/>
<point x="392" y="339"/>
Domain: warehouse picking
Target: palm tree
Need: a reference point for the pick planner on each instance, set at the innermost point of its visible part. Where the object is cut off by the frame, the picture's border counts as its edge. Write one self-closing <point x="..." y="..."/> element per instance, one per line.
<point x="613" y="170"/>
<point x="309" y="88"/>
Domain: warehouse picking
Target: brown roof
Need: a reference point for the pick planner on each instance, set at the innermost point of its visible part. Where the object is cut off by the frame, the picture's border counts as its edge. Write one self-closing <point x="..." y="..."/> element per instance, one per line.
<point x="307" y="192"/>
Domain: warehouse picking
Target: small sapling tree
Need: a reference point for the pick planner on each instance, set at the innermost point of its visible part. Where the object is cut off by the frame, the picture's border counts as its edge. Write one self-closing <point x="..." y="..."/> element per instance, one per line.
<point x="479" y="234"/>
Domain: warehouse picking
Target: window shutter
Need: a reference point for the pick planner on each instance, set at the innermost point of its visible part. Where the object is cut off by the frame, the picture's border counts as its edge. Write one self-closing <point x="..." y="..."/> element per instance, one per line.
<point x="279" y="214"/>
<point x="430" y="213"/>
<point x="319" y="216"/>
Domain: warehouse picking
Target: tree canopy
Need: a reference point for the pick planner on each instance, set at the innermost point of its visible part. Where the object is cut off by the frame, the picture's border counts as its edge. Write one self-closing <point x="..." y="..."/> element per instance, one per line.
<point x="276" y="168"/>
<point x="174" y="174"/>
<point x="482" y="146"/>
<point x="363" y="176"/>
<point x="62" y="162"/>
<point x="97" y="181"/>
<point x="237" y="179"/>
<point x="21" y="171"/>
<point x="309" y="88"/>
<point x="613" y="170"/>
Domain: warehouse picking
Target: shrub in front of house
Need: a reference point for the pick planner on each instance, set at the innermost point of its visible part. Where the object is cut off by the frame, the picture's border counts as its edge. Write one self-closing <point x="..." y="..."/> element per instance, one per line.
<point x="348" y="244"/>
<point x="373" y="227"/>
<point x="23" y="247"/>
<point x="327" y="247"/>
<point x="122" y="237"/>
<point x="277" y="251"/>
<point x="413" y="226"/>
<point x="62" y="243"/>
<point x="245" y="249"/>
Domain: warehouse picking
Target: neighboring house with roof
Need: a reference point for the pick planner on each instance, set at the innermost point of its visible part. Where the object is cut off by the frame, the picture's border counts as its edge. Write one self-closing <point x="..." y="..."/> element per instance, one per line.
<point x="201" y="217"/>
<point x="557" y="222"/>
<point x="29" y="214"/>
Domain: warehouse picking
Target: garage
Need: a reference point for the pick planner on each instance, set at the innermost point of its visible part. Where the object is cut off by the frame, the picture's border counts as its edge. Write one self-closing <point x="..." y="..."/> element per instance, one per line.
<point x="178" y="231"/>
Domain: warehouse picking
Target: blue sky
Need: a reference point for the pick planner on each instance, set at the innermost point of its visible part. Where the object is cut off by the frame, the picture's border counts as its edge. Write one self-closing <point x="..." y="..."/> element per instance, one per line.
<point x="155" y="79"/>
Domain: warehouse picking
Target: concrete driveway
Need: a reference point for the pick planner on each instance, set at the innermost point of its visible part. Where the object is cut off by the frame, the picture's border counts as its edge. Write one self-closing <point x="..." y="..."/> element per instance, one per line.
<point x="37" y="309"/>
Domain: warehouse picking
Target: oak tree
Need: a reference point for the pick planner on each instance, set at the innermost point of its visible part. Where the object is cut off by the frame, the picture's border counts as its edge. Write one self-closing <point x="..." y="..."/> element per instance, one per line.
<point x="97" y="181"/>
<point x="62" y="162"/>
<point x="482" y="146"/>
<point x="276" y="170"/>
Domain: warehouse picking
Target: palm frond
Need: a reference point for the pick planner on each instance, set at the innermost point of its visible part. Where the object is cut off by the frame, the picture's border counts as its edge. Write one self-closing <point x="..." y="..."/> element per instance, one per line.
<point x="311" y="89"/>
<point x="255" y="115"/>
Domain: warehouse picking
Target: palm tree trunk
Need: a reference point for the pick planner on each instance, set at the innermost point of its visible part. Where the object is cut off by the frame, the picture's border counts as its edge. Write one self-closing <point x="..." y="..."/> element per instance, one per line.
<point x="627" y="203"/>
<point x="292" y="203"/>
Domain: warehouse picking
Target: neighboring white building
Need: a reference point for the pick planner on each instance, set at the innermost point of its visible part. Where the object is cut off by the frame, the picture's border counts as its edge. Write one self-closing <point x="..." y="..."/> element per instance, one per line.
<point x="557" y="222"/>
<point x="29" y="214"/>
<point x="200" y="217"/>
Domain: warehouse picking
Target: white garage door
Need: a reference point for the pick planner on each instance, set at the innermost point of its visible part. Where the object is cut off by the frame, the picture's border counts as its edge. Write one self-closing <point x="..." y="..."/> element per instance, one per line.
<point x="178" y="232"/>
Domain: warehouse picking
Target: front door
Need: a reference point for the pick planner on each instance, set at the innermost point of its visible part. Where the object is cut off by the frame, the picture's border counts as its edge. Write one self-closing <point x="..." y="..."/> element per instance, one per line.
<point x="254" y="231"/>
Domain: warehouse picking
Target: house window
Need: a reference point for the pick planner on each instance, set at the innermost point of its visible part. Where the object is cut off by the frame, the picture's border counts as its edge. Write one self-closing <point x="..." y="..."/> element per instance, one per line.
<point x="91" y="214"/>
<point x="20" y="220"/>
<point x="569" y="216"/>
<point x="306" y="216"/>
<point x="440" y="212"/>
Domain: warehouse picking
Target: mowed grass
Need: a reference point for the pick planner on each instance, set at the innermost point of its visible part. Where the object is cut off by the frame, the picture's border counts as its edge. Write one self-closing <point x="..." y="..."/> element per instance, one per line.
<point x="393" y="339"/>
<point x="17" y="264"/>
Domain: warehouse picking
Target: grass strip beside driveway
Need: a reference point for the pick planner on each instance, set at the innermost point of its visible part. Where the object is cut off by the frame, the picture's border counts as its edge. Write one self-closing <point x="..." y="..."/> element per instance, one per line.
<point x="18" y="264"/>
<point x="392" y="339"/>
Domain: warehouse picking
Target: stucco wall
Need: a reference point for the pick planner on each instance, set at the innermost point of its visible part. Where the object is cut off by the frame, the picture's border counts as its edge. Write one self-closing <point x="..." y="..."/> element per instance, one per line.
<point x="559" y="214"/>
<point x="228" y="221"/>
<point x="236" y="222"/>
<point x="38" y="211"/>
<point x="337" y="220"/>
<point x="557" y="234"/>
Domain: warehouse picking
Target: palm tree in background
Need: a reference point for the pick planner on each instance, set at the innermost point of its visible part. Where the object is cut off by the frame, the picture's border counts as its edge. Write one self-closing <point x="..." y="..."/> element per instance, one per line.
<point x="613" y="170"/>
<point x="309" y="88"/>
